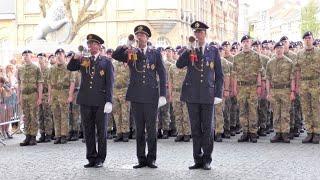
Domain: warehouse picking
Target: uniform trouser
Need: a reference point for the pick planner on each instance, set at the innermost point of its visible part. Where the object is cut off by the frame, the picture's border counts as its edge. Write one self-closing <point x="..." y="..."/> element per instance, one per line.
<point x="296" y="114"/>
<point x="132" y="121"/>
<point x="93" y="117"/>
<point x="145" y="116"/>
<point x="121" y="114"/>
<point x="182" y="118"/>
<point x="45" y="116"/>
<point x="60" y="110"/>
<point x="262" y="113"/>
<point x="226" y="114"/>
<point x="201" y="116"/>
<point x="234" y="112"/>
<point x="281" y="103"/>
<point x="219" y="120"/>
<point x="74" y="117"/>
<point x="30" y="111"/>
<point x="248" y="109"/>
<point x="310" y="95"/>
<point x="164" y="117"/>
<point x="173" y="125"/>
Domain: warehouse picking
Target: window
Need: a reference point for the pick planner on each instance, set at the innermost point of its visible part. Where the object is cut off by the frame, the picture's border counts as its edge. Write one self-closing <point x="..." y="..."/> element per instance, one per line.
<point x="162" y="42"/>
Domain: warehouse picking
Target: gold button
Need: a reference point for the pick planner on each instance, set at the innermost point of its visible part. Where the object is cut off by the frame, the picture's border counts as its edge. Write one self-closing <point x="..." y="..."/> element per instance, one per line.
<point x="92" y="67"/>
<point x="90" y="87"/>
<point x="201" y="80"/>
<point x="90" y="82"/>
<point x="143" y="82"/>
<point x="144" y="76"/>
<point x="91" y="77"/>
<point x="201" y="75"/>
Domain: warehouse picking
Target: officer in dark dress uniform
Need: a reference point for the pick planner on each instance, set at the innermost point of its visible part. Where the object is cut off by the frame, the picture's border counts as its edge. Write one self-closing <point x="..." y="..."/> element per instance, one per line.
<point x="201" y="89"/>
<point x="94" y="98"/>
<point x="143" y="91"/>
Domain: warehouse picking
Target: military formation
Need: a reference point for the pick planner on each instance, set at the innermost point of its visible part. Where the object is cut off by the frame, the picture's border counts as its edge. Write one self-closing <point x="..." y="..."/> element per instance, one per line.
<point x="204" y="91"/>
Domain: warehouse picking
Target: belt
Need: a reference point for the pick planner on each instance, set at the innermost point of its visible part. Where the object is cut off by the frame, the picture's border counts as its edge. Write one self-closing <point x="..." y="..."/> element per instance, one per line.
<point x="280" y="86"/>
<point x="247" y="83"/>
<point x="57" y="87"/>
<point x="309" y="78"/>
<point x="29" y="90"/>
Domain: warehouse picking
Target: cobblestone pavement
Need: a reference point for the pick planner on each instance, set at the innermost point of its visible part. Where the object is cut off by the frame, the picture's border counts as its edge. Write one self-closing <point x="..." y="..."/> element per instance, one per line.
<point x="231" y="160"/>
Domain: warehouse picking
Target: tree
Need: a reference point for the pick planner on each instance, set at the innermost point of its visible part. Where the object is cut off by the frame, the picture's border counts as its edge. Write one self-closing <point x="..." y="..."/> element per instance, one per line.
<point x="309" y="21"/>
<point x="78" y="18"/>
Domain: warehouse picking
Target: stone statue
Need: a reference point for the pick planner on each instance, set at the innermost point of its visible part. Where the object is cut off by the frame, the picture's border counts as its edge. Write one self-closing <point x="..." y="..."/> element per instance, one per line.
<point x="53" y="22"/>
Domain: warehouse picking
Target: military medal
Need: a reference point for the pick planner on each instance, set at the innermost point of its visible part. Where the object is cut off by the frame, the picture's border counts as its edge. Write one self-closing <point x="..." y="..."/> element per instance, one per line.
<point x="211" y="65"/>
<point x="101" y="72"/>
<point x="85" y="63"/>
<point x="152" y="66"/>
<point x="207" y="63"/>
<point x="148" y="66"/>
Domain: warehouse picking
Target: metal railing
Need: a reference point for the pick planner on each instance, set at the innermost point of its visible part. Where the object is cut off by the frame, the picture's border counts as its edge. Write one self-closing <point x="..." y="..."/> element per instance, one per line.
<point x="9" y="113"/>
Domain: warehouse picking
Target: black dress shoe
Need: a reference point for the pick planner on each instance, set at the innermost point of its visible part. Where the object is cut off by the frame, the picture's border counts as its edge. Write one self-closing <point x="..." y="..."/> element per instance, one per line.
<point x="140" y="165"/>
<point x="196" y="166"/>
<point x="206" y="166"/>
<point x="152" y="165"/>
<point x="89" y="165"/>
<point x="98" y="165"/>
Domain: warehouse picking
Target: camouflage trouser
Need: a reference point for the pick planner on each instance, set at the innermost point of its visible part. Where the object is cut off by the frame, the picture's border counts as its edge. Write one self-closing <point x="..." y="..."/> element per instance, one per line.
<point x="60" y="109"/>
<point x="234" y="112"/>
<point x="219" y="121"/>
<point x="262" y="113"/>
<point x="45" y="116"/>
<point x="226" y="114"/>
<point x="310" y="95"/>
<point x="30" y="111"/>
<point x="164" y="117"/>
<point x="181" y="117"/>
<point x="281" y="108"/>
<point x="173" y="125"/>
<point x="248" y="109"/>
<point x="296" y="113"/>
<point x="110" y="122"/>
<point x="121" y="114"/>
<point x="74" y="117"/>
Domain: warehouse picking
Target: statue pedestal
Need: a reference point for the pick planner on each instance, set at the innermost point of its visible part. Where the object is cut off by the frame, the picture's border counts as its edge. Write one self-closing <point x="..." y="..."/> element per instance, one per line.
<point x="43" y="46"/>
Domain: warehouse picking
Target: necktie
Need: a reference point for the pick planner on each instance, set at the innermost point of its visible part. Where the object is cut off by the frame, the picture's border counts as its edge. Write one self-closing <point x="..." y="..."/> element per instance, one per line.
<point x="201" y="52"/>
<point x="142" y="51"/>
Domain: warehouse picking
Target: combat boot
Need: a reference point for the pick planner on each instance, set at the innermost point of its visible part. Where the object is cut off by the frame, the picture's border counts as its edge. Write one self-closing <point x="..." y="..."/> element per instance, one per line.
<point x="291" y="134"/>
<point x="308" y="139"/>
<point x="244" y="138"/>
<point x="226" y="134"/>
<point x="165" y="134"/>
<point x="42" y="138"/>
<point x="186" y="138"/>
<point x="253" y="137"/>
<point x="276" y="138"/>
<point x="70" y="135"/>
<point x="109" y="135"/>
<point x="26" y="141"/>
<point x="159" y="134"/>
<point x="232" y="131"/>
<point x="296" y="132"/>
<point x="118" y="138"/>
<point x="75" y="136"/>
<point x="47" y="138"/>
<point x="262" y="132"/>
<point x="316" y="139"/>
<point x="218" y="137"/>
<point x="285" y="138"/>
<point x="63" y="140"/>
<point x="57" y="141"/>
<point x="81" y="134"/>
<point x="33" y="141"/>
<point x="125" y="137"/>
<point x="179" y="138"/>
<point x="238" y="129"/>
<point x="173" y="133"/>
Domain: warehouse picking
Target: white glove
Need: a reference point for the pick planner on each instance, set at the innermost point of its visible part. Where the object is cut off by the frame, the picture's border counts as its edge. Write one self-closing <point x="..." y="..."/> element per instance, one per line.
<point x="162" y="101"/>
<point x="217" y="100"/>
<point x="107" y="107"/>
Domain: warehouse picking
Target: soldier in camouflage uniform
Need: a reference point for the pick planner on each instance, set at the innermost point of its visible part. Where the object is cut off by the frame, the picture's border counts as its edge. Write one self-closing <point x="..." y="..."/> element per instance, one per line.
<point x="295" y="111"/>
<point x="30" y="90"/>
<point x="247" y="74"/>
<point x="222" y="111"/>
<point x="164" y="111"/>
<point x="45" y="115"/>
<point x="280" y="84"/>
<point x="61" y="89"/>
<point x="179" y="107"/>
<point x="308" y="66"/>
<point x="121" y="106"/>
<point x="235" y="126"/>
